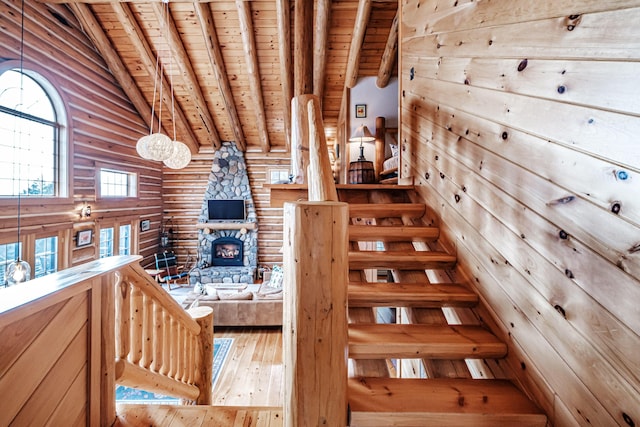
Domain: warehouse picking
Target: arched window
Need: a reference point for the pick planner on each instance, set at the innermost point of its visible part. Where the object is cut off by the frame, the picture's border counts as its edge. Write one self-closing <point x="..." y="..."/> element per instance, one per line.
<point x="32" y="148"/>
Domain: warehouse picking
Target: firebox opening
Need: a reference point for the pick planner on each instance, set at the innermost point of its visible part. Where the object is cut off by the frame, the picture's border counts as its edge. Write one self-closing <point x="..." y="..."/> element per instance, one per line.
<point x="227" y="251"/>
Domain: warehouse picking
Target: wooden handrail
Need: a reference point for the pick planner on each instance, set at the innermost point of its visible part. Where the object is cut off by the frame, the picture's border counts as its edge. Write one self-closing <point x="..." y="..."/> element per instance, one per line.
<point x="156" y="340"/>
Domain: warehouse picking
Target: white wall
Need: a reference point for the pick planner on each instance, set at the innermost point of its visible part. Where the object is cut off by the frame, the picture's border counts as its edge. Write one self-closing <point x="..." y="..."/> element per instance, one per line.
<point x="380" y="103"/>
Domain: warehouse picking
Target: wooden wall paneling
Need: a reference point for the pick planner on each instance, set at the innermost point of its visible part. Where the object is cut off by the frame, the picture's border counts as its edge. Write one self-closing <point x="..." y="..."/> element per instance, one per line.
<point x="493" y="273"/>
<point x="538" y="235"/>
<point x="562" y="337"/>
<point x="436" y="16"/>
<point x="592" y="37"/>
<point x="23" y="377"/>
<point x="573" y="172"/>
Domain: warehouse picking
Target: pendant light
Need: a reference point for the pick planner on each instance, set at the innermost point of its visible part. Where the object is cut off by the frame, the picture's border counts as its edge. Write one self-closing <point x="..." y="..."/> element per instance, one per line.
<point x="158" y="146"/>
<point x="19" y="271"/>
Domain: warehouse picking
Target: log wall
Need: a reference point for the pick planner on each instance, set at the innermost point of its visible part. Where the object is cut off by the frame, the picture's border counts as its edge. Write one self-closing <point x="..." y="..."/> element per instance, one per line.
<point x="103" y="129"/>
<point x="518" y="124"/>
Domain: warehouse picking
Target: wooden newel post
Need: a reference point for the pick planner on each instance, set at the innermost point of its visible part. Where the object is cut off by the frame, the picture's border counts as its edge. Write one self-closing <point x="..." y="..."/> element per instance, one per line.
<point x="315" y="319"/>
<point x="204" y="376"/>
<point x="300" y="137"/>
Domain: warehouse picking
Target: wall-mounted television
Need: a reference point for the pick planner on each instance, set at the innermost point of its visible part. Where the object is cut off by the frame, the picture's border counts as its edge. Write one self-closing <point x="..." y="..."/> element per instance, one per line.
<point x="226" y="210"/>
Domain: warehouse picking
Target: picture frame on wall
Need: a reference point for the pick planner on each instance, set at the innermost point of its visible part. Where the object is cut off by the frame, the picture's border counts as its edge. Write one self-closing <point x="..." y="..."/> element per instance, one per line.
<point x="83" y="237"/>
<point x="361" y="111"/>
<point x="145" y="225"/>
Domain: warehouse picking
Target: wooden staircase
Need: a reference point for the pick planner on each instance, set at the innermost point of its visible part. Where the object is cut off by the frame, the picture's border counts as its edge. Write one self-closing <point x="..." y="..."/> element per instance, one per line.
<point x="415" y="371"/>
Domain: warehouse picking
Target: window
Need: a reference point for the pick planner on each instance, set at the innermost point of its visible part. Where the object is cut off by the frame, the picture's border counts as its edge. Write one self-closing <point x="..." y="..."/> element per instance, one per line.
<point x="8" y="253"/>
<point x="106" y="242"/>
<point x="115" y="183"/>
<point x="278" y="176"/>
<point x="124" y="246"/>
<point x="46" y="256"/>
<point x="32" y="154"/>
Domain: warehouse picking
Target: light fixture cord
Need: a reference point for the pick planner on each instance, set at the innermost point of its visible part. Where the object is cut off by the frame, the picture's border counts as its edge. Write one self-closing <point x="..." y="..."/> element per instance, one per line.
<point x="21" y="121"/>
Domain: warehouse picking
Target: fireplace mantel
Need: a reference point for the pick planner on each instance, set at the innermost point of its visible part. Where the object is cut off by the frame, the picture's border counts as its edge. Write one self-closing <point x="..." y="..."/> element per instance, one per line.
<point x="226" y="225"/>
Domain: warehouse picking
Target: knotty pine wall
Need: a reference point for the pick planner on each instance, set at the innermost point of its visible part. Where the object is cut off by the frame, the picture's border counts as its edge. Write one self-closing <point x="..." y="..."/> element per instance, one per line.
<point x="103" y="129"/>
<point x="519" y="124"/>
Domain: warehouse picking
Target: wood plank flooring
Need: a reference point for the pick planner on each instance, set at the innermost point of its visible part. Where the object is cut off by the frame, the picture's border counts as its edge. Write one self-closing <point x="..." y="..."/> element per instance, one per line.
<point x="248" y="391"/>
<point x="252" y="374"/>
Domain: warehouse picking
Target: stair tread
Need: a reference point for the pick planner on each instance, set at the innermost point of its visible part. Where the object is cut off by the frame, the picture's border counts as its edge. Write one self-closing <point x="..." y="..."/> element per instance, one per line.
<point x="393" y="233"/>
<point x="411" y="341"/>
<point x="367" y="294"/>
<point x="451" y="402"/>
<point x="379" y="210"/>
<point x="401" y="260"/>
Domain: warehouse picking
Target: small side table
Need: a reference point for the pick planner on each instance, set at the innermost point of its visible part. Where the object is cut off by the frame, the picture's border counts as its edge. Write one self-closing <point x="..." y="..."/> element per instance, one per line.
<point x="154" y="273"/>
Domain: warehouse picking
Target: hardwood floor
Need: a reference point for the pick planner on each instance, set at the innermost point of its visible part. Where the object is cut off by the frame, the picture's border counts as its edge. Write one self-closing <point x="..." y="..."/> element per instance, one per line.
<point x="252" y="374"/>
<point x="247" y="393"/>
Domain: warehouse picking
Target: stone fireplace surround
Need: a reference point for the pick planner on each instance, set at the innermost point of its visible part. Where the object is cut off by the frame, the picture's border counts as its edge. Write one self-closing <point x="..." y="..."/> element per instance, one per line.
<point x="228" y="179"/>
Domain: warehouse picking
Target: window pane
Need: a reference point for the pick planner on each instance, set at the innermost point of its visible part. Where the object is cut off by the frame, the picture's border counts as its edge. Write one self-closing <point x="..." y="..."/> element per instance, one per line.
<point x="116" y="183"/>
<point x="46" y="256"/>
<point x="106" y="242"/>
<point x="124" y="247"/>
<point x="29" y="152"/>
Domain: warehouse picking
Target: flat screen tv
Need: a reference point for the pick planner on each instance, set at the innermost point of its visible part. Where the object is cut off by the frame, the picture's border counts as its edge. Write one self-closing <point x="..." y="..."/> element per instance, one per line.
<point x="226" y="210"/>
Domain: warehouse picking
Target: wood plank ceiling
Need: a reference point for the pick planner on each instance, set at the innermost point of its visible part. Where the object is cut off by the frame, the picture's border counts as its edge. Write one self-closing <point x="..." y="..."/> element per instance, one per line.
<point x="232" y="63"/>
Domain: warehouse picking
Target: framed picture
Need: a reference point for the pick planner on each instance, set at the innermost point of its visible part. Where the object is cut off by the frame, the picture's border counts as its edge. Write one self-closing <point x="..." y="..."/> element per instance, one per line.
<point x="145" y="225"/>
<point x="361" y="111"/>
<point x="83" y="238"/>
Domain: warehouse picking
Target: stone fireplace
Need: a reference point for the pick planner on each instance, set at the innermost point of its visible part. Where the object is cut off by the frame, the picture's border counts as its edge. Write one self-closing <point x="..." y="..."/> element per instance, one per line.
<point x="227" y="250"/>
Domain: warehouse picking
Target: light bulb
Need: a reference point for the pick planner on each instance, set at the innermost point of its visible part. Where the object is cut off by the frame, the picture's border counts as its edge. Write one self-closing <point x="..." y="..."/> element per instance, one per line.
<point x="18" y="272"/>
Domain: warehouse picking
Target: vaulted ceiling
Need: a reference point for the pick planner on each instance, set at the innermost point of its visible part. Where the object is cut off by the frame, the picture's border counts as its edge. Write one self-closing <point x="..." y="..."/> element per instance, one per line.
<point x="234" y="65"/>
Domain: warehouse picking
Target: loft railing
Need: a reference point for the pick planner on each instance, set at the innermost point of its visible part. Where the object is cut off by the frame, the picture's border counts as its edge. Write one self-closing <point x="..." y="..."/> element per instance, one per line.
<point x="315" y="253"/>
<point x="58" y="344"/>
<point x="159" y="347"/>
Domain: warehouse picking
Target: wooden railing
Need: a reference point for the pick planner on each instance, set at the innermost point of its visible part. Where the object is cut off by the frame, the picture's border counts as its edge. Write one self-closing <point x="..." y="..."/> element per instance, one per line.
<point x="58" y="344"/>
<point x="315" y="254"/>
<point x="158" y="346"/>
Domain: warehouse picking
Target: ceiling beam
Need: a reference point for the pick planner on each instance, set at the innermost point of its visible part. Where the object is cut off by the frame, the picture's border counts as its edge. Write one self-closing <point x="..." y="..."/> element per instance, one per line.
<point x="92" y="28"/>
<point x="389" y="55"/>
<point x="253" y="72"/>
<point x="148" y="61"/>
<point x="286" y="76"/>
<point x="323" y="15"/>
<point x="203" y="12"/>
<point x="303" y="47"/>
<point x="360" y="27"/>
<point x="186" y="69"/>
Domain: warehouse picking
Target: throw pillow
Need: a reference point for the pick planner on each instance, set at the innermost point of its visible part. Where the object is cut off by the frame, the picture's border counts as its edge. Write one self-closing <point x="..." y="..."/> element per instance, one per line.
<point x="277" y="276"/>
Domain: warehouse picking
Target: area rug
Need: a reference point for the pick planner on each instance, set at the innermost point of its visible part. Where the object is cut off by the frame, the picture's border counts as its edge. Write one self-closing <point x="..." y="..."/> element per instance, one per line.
<point x="124" y="394"/>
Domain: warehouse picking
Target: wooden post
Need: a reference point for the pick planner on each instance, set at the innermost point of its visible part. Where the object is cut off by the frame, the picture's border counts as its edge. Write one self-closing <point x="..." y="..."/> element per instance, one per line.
<point x="380" y="139"/>
<point x="204" y="377"/>
<point x="315" y="321"/>
<point x="300" y="137"/>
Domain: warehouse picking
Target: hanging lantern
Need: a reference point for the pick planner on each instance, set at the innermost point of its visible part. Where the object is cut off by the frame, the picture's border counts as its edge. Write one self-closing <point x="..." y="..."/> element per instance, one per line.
<point x="180" y="157"/>
<point x="159" y="146"/>
<point x="141" y="147"/>
<point x="18" y="272"/>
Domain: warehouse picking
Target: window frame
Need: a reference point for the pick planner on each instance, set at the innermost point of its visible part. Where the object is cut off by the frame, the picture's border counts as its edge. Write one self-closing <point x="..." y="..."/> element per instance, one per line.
<point x="64" y="177"/>
<point x="133" y="174"/>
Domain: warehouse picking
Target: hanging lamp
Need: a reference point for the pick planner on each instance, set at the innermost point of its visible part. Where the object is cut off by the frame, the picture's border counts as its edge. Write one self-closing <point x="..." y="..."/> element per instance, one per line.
<point x="19" y="270"/>
<point x="158" y="146"/>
